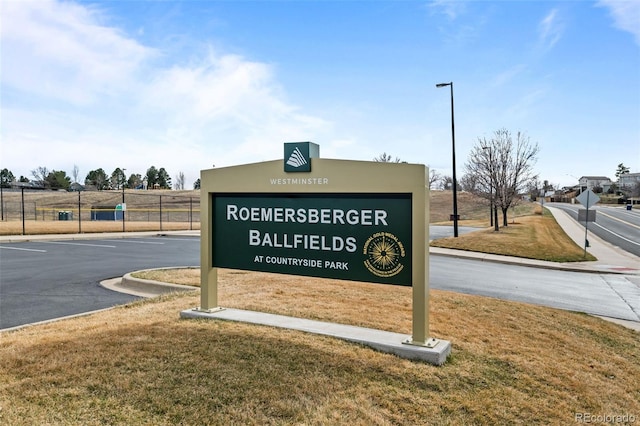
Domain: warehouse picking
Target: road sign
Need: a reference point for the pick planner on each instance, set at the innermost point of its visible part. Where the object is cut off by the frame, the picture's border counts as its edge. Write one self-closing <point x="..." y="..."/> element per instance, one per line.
<point x="588" y="198"/>
<point x="586" y="215"/>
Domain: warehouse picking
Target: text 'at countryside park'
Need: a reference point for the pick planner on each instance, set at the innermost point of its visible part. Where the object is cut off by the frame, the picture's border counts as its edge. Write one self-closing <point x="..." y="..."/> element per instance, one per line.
<point x="414" y="213"/>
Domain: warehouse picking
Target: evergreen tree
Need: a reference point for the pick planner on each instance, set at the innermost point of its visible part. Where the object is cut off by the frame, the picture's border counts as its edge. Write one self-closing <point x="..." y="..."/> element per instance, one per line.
<point x="97" y="178"/>
<point x="164" y="180"/>
<point x="6" y="177"/>
<point x="152" y="177"/>
<point x="621" y="170"/>
<point x="58" y="180"/>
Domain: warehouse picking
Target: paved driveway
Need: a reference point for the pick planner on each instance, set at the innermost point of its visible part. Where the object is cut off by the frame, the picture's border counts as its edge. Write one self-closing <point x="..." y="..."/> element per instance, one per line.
<point x="41" y="280"/>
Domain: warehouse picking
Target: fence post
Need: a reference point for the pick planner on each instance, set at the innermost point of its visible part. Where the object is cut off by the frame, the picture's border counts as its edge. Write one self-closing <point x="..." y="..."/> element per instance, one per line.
<point x="161" y="212"/>
<point x="190" y="213"/>
<point x="79" y="215"/>
<point x="122" y="210"/>
<point x="22" y="190"/>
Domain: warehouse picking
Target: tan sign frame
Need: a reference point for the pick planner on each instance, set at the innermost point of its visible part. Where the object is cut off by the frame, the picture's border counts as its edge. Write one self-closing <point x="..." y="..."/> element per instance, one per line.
<point x="327" y="176"/>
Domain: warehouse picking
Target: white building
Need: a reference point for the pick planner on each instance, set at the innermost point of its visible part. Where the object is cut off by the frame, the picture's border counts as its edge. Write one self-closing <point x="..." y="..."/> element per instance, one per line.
<point x="598" y="184"/>
<point x="629" y="180"/>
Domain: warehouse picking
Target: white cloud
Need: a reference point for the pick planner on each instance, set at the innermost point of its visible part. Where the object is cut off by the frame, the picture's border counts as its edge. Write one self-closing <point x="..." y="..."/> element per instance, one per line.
<point x="232" y="107"/>
<point x="450" y="8"/>
<point x="507" y="76"/>
<point x="62" y="51"/>
<point x="525" y="105"/>
<point x="625" y="14"/>
<point x="550" y="30"/>
<point x="77" y="91"/>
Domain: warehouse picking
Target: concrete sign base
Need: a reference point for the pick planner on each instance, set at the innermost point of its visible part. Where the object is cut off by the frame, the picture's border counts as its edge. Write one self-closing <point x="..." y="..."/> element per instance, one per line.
<point x="435" y="352"/>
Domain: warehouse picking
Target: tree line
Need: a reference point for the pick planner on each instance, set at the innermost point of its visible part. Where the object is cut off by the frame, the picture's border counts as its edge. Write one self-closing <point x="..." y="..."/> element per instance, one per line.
<point x="42" y="177"/>
<point x="500" y="170"/>
<point x="497" y="169"/>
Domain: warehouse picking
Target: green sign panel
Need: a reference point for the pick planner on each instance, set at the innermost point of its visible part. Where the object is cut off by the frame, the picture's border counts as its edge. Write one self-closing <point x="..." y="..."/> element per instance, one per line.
<point x="360" y="237"/>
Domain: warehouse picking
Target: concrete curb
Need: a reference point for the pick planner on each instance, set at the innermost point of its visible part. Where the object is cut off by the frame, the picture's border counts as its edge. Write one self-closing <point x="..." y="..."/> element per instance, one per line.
<point x="146" y="288"/>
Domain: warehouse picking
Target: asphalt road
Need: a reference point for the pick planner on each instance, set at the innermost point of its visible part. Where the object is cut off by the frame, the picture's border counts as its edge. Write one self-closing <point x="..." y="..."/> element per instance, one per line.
<point x="51" y="279"/>
<point x="436" y="232"/>
<point x="616" y="225"/>
<point x="609" y="295"/>
<point x="42" y="280"/>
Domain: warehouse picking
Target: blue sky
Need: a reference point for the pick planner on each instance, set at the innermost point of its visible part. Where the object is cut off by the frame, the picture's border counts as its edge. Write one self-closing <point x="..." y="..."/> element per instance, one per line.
<point x="185" y="85"/>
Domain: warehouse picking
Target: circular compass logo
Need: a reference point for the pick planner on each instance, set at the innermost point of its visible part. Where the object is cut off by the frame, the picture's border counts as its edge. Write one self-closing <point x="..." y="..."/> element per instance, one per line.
<point x="384" y="252"/>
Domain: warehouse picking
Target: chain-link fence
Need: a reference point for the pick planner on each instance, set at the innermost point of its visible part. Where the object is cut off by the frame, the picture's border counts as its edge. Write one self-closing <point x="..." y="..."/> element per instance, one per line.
<point x="96" y="211"/>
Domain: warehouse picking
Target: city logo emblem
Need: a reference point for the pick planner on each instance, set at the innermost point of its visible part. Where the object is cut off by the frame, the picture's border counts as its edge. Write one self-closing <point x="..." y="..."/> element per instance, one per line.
<point x="384" y="252"/>
<point x="296" y="159"/>
<point x="297" y="156"/>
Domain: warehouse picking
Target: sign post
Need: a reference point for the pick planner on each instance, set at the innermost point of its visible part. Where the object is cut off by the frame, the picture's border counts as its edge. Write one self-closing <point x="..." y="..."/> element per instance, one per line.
<point x="351" y="220"/>
<point x="587" y="198"/>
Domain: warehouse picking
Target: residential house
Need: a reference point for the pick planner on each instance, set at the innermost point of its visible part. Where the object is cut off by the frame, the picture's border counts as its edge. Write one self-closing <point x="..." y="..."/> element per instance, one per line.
<point x="629" y="180"/>
<point x="598" y="184"/>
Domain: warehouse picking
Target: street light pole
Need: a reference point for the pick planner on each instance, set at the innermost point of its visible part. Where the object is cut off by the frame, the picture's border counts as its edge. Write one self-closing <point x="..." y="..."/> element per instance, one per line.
<point x="124" y="176"/>
<point x="453" y="150"/>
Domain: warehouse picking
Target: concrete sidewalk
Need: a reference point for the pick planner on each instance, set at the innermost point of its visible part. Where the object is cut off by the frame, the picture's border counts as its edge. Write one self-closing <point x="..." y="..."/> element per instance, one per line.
<point x="610" y="258"/>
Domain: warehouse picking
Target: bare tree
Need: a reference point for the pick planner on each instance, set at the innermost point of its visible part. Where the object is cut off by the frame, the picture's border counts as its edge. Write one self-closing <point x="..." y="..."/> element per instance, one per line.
<point x="179" y="181"/>
<point x="533" y="188"/>
<point x="434" y="178"/>
<point x="597" y="187"/>
<point x="386" y="158"/>
<point x="503" y="167"/>
<point x="75" y="173"/>
<point x="469" y="183"/>
<point x="40" y="175"/>
<point x="447" y="183"/>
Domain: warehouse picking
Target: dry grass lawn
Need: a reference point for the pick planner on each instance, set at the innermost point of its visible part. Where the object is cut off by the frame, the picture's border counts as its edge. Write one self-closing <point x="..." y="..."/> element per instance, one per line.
<point x="534" y="237"/>
<point x="512" y="363"/>
<point x="473" y="211"/>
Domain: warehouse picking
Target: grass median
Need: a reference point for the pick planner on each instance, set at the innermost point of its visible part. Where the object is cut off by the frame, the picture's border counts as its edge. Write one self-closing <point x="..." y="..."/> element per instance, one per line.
<point x="536" y="236"/>
<point x="512" y="363"/>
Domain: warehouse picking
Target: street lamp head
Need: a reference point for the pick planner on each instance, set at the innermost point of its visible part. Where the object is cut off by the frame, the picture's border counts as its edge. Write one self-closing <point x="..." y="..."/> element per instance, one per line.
<point x="444" y="84"/>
